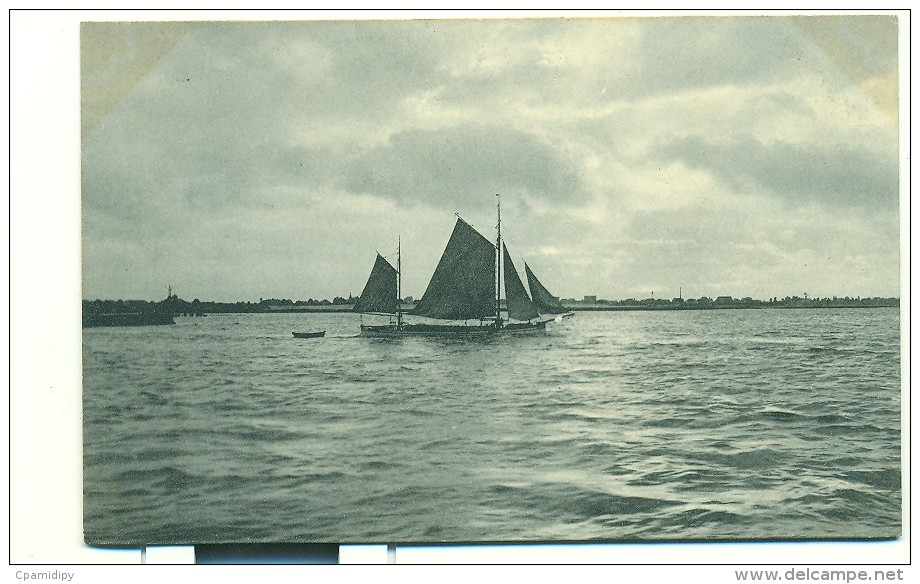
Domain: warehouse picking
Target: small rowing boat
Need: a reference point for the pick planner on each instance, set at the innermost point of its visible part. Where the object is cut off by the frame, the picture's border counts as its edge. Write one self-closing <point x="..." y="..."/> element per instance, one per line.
<point x="311" y="335"/>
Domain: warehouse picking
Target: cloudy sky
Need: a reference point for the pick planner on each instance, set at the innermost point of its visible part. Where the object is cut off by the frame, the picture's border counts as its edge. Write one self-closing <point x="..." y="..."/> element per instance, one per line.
<point x="747" y="156"/>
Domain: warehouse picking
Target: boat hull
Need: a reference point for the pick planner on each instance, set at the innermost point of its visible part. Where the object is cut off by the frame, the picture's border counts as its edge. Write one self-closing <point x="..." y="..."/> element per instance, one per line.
<point x="440" y="330"/>
<point x="310" y="335"/>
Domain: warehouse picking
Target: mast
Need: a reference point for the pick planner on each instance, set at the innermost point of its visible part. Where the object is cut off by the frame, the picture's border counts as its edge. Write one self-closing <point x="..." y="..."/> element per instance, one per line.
<point x="498" y="272"/>
<point x="399" y="282"/>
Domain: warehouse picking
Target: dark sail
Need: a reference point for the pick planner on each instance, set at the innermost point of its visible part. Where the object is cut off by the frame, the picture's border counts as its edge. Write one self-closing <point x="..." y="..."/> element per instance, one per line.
<point x="545" y="302"/>
<point x="463" y="284"/>
<point x="379" y="293"/>
<point x="519" y="305"/>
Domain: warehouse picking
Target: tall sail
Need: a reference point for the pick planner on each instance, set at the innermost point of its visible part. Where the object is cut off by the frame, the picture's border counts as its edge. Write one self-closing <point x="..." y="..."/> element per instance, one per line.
<point x="463" y="284"/>
<point x="519" y="305"/>
<point x="545" y="302"/>
<point x="379" y="293"/>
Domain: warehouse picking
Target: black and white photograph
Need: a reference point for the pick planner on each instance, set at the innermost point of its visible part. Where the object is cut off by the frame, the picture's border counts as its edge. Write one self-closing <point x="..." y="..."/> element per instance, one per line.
<point x="630" y="278"/>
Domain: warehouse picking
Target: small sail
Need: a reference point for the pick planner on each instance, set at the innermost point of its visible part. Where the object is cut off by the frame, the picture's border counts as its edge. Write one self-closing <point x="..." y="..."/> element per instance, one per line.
<point x="519" y="305"/>
<point x="463" y="284"/>
<point x="545" y="302"/>
<point x="379" y="293"/>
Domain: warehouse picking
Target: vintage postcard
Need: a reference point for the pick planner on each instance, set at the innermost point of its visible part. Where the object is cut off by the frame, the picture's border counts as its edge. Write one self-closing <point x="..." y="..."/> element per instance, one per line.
<point x="627" y="278"/>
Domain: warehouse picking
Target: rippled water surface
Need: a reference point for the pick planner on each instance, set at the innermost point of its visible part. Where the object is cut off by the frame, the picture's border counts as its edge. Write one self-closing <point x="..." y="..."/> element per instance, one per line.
<point x="730" y="424"/>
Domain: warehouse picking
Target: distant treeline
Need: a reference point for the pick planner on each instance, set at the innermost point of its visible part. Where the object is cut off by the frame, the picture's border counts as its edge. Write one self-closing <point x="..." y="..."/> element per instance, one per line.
<point x="175" y="306"/>
<point x="727" y="302"/>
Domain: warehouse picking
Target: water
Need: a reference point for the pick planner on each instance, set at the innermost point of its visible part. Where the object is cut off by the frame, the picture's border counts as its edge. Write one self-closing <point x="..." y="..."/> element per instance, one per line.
<point x="732" y="424"/>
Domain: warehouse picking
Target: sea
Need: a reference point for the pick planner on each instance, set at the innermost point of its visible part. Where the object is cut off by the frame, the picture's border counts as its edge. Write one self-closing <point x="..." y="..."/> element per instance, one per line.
<point x="771" y="424"/>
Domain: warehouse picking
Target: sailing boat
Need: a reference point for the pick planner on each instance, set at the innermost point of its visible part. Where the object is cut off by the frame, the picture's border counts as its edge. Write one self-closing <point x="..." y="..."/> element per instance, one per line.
<point x="464" y="292"/>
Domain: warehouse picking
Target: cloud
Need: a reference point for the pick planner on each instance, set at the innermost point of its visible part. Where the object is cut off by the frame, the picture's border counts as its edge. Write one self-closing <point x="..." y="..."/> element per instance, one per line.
<point x="863" y="51"/>
<point x="679" y="54"/>
<point x="463" y="167"/>
<point x="758" y="247"/>
<point x="837" y="174"/>
<point x="114" y="58"/>
<point x="263" y="157"/>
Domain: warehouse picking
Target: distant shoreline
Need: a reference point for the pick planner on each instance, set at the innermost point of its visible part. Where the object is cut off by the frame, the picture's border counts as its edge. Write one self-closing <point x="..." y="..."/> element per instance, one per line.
<point x="634" y="307"/>
<point x="692" y="308"/>
<point x="176" y="307"/>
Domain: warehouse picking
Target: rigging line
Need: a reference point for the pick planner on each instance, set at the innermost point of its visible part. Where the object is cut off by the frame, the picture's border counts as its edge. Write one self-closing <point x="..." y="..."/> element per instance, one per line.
<point x="510" y="243"/>
<point x="386" y="257"/>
